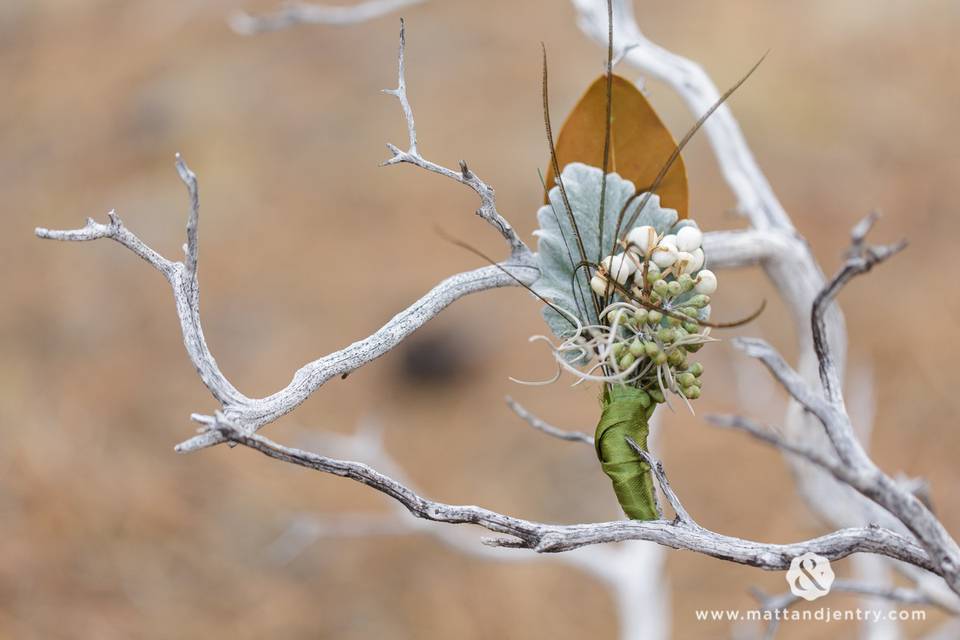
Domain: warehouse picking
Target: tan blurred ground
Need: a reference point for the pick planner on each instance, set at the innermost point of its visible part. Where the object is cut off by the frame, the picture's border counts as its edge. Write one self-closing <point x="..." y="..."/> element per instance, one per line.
<point x="106" y="533"/>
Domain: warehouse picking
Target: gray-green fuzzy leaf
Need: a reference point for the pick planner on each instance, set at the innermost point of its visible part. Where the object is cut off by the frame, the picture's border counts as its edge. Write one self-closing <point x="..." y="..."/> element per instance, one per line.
<point x="558" y="253"/>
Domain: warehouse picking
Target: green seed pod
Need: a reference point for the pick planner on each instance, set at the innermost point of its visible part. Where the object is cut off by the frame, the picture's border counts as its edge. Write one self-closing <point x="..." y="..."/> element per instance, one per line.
<point x="660" y="358"/>
<point x="654" y="318"/>
<point x="674" y="322"/>
<point x="636" y="347"/>
<point x="676" y="358"/>
<point x="666" y="335"/>
<point x="691" y="392"/>
<point x="617" y="349"/>
<point x="700" y="301"/>
<point x="674" y="288"/>
<point x="640" y="315"/>
<point x="686" y="379"/>
<point x="686" y="282"/>
<point x="651" y="348"/>
<point x="691" y="327"/>
<point x="627" y="359"/>
<point x="693" y="348"/>
<point x="644" y="398"/>
<point x="656" y="394"/>
<point x="696" y="369"/>
<point x="653" y="273"/>
<point x="661" y="287"/>
<point x="690" y="312"/>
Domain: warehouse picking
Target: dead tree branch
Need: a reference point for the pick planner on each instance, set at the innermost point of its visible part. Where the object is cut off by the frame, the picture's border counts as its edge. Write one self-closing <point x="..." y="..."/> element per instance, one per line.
<point x="927" y="545"/>
<point x="299" y="13"/>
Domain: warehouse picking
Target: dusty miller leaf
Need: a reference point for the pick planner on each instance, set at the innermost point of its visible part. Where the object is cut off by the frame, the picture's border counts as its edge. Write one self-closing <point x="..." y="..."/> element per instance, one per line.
<point x="557" y="251"/>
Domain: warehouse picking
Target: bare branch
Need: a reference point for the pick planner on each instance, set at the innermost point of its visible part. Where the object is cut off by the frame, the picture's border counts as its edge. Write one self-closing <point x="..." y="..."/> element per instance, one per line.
<point x="831" y="418"/>
<point x="191" y="249"/>
<point x="773" y="243"/>
<point x="631" y="570"/>
<point x="755" y="198"/>
<point x="183" y="283"/>
<point x="488" y="206"/>
<point x="400" y="93"/>
<point x="772" y="438"/>
<point x="749" y="247"/>
<point x="801" y="283"/>
<point x="860" y="259"/>
<point x="657" y="467"/>
<point x="253" y="414"/>
<point x="546" y="538"/>
<point x="298" y="13"/>
<point x="858" y="470"/>
<point x="547" y="428"/>
<point x="114" y="230"/>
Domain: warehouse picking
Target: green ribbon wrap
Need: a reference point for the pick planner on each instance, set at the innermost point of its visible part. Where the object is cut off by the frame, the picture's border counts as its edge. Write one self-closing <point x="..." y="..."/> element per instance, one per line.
<point x="626" y="413"/>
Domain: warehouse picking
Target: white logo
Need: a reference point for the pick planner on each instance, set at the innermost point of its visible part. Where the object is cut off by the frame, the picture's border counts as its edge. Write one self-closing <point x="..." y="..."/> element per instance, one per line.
<point x="810" y="576"/>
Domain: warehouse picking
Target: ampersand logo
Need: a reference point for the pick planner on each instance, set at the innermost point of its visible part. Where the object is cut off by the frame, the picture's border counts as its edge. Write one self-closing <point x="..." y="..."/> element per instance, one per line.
<point x="810" y="576"/>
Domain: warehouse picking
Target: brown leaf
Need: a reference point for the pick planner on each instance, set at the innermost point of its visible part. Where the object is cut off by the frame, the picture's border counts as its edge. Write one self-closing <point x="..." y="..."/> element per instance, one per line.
<point x="641" y="143"/>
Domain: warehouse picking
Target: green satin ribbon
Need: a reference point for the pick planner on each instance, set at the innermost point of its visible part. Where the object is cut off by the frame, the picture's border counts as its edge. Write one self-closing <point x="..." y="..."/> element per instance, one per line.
<point x="626" y="412"/>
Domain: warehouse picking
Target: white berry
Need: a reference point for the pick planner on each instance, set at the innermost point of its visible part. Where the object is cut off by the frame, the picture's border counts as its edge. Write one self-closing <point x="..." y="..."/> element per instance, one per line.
<point x="706" y="282"/>
<point x="685" y="262"/>
<point x="665" y="254"/>
<point x="697" y="262"/>
<point x="642" y="238"/>
<point x="619" y="267"/>
<point x="689" y="239"/>
<point x="600" y="286"/>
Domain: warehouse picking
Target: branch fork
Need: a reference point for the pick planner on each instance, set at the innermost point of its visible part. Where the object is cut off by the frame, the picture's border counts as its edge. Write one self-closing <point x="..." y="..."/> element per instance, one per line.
<point x="915" y="536"/>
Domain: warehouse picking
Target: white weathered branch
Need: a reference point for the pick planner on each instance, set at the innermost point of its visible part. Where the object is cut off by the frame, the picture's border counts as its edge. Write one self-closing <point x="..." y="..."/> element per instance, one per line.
<point x="252" y="414"/>
<point x="789" y="265"/>
<point x="773" y="243"/>
<point x="631" y="571"/>
<point x="546" y="427"/>
<point x="861" y="258"/>
<point x="488" y="205"/>
<point x="297" y="13"/>
<point x="185" y="292"/>
<point x="854" y="467"/>
<point x="755" y="198"/>
<point x="547" y="538"/>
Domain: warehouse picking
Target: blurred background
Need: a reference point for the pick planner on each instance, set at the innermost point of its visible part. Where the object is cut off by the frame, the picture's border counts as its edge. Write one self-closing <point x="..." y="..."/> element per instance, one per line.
<point x="307" y="245"/>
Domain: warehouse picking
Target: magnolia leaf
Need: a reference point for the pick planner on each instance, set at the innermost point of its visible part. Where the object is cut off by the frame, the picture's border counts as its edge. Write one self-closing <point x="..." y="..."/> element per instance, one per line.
<point x="641" y="143"/>
<point x="558" y="253"/>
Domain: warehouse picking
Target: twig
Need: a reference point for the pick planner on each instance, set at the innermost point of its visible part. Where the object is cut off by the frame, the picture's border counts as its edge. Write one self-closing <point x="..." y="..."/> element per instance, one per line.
<point x="547" y="428"/>
<point x="857" y="469"/>
<point x="860" y="259"/>
<point x="657" y="467"/>
<point x="298" y="13"/>
<point x="545" y="538"/>
<point x="240" y="416"/>
<point x="488" y="206"/>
